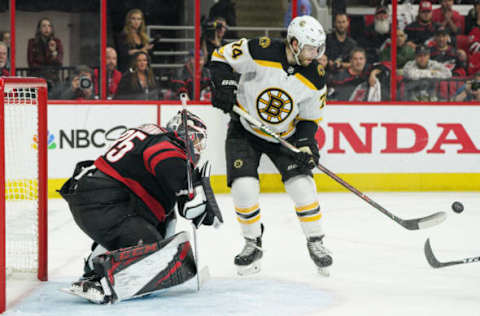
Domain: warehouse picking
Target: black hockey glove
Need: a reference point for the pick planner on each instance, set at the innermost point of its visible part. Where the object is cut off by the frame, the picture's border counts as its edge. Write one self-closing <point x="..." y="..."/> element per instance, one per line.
<point x="224" y="87"/>
<point x="309" y="154"/>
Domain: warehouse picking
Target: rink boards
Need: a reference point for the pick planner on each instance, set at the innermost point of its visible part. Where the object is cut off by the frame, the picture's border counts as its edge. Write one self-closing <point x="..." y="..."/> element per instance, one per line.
<point x="374" y="147"/>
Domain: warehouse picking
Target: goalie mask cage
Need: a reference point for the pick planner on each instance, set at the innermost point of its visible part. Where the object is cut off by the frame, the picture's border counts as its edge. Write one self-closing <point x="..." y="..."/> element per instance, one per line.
<point x="23" y="180"/>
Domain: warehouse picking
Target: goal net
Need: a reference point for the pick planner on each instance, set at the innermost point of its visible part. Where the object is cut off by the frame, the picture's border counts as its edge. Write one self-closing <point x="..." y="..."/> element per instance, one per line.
<point x="23" y="179"/>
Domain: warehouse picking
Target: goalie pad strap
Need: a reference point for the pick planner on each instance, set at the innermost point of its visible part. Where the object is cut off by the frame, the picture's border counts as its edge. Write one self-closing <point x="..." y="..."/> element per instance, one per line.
<point x="139" y="270"/>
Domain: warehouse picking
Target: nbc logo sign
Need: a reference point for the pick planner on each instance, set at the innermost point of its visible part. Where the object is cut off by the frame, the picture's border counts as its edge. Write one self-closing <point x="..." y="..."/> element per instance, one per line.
<point x="50" y="141"/>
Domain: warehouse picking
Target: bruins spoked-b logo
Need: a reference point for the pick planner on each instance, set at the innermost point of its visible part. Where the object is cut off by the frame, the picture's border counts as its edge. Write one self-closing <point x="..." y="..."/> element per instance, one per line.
<point x="274" y="105"/>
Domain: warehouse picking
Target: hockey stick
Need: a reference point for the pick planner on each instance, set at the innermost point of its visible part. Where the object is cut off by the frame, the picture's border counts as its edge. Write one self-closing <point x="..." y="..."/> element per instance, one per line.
<point x="437" y="264"/>
<point x="184" y="98"/>
<point x="411" y="224"/>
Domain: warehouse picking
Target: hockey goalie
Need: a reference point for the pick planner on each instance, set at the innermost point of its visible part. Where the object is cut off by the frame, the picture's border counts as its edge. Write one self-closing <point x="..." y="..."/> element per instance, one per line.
<point x="125" y="202"/>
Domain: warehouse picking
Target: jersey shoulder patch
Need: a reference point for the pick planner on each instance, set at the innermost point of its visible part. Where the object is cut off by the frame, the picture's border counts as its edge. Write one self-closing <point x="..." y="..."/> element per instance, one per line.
<point x="265" y="48"/>
<point x="315" y="74"/>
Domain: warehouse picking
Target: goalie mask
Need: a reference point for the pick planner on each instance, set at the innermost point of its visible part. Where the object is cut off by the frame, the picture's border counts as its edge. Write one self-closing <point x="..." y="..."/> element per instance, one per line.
<point x="309" y="34"/>
<point x="197" y="132"/>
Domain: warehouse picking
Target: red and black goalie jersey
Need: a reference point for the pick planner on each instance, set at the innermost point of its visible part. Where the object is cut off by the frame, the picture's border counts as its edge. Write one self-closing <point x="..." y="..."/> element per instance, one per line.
<point x="151" y="162"/>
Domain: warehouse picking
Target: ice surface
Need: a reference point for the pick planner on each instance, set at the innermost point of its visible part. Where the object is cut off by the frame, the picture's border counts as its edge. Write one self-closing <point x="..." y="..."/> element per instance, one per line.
<point x="379" y="267"/>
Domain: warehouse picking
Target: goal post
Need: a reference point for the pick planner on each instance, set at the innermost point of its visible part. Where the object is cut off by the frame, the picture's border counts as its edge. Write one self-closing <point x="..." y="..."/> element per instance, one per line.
<point x="23" y="179"/>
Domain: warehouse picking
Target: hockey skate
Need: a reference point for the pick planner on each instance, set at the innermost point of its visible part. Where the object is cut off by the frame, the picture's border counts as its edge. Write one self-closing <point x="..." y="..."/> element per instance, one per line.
<point x="89" y="289"/>
<point x="248" y="260"/>
<point x="319" y="254"/>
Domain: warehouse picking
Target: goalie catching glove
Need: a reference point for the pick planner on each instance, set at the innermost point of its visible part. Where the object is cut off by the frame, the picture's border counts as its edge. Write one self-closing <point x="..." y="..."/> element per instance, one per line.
<point x="203" y="207"/>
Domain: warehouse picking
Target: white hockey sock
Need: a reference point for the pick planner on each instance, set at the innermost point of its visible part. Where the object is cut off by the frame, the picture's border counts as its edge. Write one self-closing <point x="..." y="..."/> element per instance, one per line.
<point x="245" y="193"/>
<point x="303" y="192"/>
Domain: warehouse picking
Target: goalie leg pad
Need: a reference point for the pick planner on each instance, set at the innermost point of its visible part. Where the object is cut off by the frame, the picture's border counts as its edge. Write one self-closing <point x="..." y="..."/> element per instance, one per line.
<point x="140" y="270"/>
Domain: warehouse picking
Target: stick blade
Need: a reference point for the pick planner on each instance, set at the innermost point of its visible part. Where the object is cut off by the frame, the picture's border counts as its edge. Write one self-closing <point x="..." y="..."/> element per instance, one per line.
<point x="430" y="256"/>
<point x="424" y="222"/>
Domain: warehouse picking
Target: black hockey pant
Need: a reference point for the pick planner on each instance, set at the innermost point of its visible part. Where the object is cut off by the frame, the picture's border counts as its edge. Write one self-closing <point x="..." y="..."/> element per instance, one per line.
<point x="109" y="213"/>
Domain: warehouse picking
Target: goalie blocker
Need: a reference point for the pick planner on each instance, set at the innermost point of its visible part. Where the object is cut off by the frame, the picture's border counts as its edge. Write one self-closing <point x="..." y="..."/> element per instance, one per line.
<point x="140" y="270"/>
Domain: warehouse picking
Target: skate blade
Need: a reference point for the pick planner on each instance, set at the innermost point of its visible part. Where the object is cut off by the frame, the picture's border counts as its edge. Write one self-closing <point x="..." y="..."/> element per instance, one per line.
<point x="252" y="268"/>
<point x="323" y="271"/>
<point x="91" y="295"/>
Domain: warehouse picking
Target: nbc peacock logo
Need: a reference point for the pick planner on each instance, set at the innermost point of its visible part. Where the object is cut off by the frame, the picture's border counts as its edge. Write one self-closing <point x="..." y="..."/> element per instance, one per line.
<point x="50" y="141"/>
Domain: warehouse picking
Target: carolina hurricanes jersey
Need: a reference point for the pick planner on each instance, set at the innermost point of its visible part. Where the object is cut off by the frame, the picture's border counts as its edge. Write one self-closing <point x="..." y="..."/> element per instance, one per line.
<point x="151" y="162"/>
<point x="271" y="90"/>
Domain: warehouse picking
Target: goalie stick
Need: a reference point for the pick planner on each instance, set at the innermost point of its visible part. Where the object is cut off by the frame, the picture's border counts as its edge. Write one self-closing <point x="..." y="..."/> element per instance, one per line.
<point x="184" y="98"/>
<point x="411" y="224"/>
<point x="432" y="260"/>
<point x="211" y="201"/>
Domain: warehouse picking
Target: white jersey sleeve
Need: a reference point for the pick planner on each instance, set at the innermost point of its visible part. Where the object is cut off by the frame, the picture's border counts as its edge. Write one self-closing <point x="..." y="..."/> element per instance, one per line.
<point x="236" y="55"/>
<point x="312" y="108"/>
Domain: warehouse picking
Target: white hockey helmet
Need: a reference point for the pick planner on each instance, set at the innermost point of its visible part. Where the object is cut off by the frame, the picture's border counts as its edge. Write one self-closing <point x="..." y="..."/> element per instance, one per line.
<point x="197" y="131"/>
<point x="307" y="31"/>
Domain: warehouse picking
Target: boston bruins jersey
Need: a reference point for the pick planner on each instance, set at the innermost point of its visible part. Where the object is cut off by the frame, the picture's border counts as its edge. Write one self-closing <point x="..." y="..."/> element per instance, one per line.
<point x="271" y="90"/>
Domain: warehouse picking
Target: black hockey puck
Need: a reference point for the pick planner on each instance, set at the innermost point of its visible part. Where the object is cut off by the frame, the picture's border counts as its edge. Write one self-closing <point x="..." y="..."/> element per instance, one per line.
<point x="457" y="207"/>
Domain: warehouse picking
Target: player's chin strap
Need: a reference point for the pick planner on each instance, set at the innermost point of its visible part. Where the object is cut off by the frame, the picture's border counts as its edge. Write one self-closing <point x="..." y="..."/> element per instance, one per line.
<point x="295" y="55"/>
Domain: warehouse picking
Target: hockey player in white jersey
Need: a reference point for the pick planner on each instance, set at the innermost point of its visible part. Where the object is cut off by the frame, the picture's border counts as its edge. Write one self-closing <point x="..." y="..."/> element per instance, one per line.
<point x="281" y="84"/>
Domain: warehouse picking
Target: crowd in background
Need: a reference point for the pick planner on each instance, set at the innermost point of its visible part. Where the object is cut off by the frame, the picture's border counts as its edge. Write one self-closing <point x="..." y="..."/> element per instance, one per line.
<point x="437" y="51"/>
<point x="438" y="56"/>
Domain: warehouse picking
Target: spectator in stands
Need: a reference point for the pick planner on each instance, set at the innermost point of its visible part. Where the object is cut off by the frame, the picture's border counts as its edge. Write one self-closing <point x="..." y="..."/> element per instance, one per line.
<point x="473" y="18"/>
<point x="225" y="9"/>
<point x="474" y="51"/>
<point x="406" y="14"/>
<point x="404" y="52"/>
<point x="133" y="39"/>
<point x="470" y="90"/>
<point x="187" y="75"/>
<point x="80" y="87"/>
<point x="339" y="44"/>
<point x="376" y="35"/>
<point x="353" y="83"/>
<point x="139" y="83"/>
<point x="212" y="37"/>
<point x="446" y="16"/>
<point x="45" y="52"/>
<point x="423" y="68"/>
<point x="423" y="29"/>
<point x="441" y="51"/>
<point x="113" y="75"/>
<point x="5" y="38"/>
<point x="3" y="59"/>
<point x="303" y="8"/>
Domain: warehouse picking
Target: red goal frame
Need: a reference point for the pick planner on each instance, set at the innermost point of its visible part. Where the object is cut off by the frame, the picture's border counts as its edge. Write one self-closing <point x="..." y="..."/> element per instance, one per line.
<point x="42" y="269"/>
